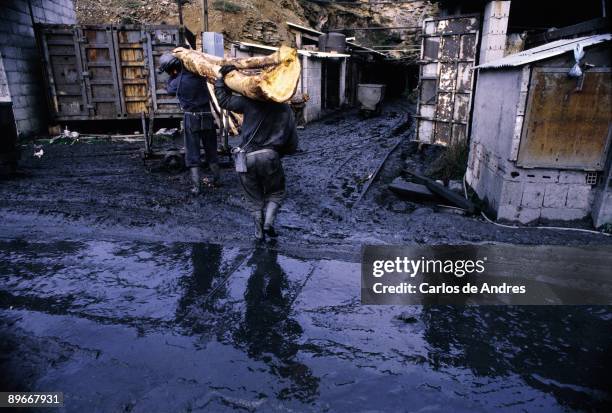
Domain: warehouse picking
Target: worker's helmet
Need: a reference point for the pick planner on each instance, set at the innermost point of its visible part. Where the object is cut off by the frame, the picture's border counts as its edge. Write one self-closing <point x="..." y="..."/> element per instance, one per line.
<point x="166" y="62"/>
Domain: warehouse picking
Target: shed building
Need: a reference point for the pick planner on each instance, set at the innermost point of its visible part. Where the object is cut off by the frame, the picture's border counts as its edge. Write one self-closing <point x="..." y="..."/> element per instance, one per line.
<point x="540" y="139"/>
<point x="323" y="76"/>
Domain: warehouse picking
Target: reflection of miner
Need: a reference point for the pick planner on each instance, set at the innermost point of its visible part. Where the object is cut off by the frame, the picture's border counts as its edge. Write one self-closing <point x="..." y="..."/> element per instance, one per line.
<point x="206" y="263"/>
<point x="267" y="329"/>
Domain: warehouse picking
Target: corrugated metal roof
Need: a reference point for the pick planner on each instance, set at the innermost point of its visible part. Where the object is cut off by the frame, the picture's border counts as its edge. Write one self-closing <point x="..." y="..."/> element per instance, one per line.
<point x="304" y="28"/>
<point x="309" y="53"/>
<point x="545" y="51"/>
<point x="318" y="33"/>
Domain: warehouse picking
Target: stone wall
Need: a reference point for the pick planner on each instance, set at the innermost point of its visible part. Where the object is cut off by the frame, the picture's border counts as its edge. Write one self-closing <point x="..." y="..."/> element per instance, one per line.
<point x="22" y="60"/>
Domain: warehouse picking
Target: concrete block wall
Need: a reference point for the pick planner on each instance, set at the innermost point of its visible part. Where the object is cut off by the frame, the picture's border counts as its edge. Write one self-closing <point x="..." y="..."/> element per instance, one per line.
<point x="495" y="25"/>
<point x="21" y="58"/>
<point x="527" y="195"/>
<point x="311" y="76"/>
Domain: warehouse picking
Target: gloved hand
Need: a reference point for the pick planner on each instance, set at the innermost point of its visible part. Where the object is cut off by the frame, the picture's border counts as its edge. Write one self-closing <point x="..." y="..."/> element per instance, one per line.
<point x="225" y="69"/>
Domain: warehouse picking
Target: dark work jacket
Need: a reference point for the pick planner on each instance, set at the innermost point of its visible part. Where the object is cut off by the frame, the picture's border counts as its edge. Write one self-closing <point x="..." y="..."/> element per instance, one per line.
<point x="191" y="91"/>
<point x="277" y="130"/>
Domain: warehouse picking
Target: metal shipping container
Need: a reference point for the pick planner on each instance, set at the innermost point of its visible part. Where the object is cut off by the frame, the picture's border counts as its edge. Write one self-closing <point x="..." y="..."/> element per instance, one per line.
<point x="108" y="71"/>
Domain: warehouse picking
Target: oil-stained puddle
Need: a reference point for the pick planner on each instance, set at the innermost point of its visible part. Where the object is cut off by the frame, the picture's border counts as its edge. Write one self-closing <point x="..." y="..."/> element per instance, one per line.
<point x="124" y="326"/>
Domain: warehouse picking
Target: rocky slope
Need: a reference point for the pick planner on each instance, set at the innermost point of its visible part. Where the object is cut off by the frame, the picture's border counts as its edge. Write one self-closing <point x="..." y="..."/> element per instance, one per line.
<point x="263" y="21"/>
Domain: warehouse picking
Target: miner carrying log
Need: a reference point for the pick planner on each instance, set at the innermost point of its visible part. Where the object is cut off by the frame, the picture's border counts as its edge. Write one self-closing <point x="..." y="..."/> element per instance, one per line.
<point x="193" y="96"/>
<point x="264" y="84"/>
<point x="268" y="133"/>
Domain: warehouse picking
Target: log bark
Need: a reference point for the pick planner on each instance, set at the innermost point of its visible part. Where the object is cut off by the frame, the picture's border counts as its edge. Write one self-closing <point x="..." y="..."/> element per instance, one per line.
<point x="276" y="81"/>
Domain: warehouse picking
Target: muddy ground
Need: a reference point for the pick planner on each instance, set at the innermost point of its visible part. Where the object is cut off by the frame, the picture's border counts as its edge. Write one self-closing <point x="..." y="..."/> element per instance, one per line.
<point x="129" y="295"/>
<point x="105" y="191"/>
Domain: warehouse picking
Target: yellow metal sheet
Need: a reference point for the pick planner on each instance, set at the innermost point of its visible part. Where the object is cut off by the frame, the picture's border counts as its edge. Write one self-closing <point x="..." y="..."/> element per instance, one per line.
<point x="567" y="124"/>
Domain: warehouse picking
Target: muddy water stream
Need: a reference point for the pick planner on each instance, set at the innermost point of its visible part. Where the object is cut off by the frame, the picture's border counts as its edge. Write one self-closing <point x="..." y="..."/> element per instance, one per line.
<point x="148" y="327"/>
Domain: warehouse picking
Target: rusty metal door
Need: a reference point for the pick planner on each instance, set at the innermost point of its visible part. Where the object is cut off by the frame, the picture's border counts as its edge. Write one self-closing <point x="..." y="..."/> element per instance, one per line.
<point x="448" y="54"/>
<point x="567" y="127"/>
<point x="97" y="51"/>
<point x="161" y="39"/>
<point x="64" y="72"/>
<point x="133" y="69"/>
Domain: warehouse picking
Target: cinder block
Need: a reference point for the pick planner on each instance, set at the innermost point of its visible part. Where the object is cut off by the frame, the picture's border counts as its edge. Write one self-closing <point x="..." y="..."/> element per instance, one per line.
<point x="19" y="102"/>
<point x="39" y="13"/>
<point x="563" y="214"/>
<point x="14" y="80"/>
<point x="23" y="30"/>
<point x="10" y="15"/>
<point x="555" y="195"/>
<point x="508" y="212"/>
<point x="539" y="176"/>
<point x="24" y="127"/>
<point x="533" y="195"/>
<point x="24" y="18"/>
<point x="579" y="196"/>
<point x="10" y="52"/>
<point x="572" y="177"/>
<point x="511" y="193"/>
<point x="21" y="113"/>
<point x="51" y="16"/>
<point x="10" y="65"/>
<point x="528" y="215"/>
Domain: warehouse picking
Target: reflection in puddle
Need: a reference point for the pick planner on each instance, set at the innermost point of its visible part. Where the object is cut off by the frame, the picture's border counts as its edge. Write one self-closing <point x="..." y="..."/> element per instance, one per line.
<point x="228" y="328"/>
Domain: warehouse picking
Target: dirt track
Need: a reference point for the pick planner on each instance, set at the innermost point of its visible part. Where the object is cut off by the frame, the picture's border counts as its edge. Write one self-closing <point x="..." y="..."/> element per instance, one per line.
<point x="103" y="191"/>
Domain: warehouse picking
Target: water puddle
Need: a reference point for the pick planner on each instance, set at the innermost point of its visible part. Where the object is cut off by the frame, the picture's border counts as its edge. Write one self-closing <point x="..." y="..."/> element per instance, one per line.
<point x="201" y="327"/>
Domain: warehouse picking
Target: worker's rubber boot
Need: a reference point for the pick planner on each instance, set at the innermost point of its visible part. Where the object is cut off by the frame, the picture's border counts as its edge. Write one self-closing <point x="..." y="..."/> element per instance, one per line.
<point x="271" y="211"/>
<point x="216" y="171"/>
<point x="196" y="181"/>
<point x="258" y="221"/>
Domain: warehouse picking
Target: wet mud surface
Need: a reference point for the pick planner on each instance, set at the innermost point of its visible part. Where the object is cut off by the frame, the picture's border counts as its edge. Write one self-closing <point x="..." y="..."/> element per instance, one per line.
<point x="129" y="295"/>
<point x="147" y="327"/>
<point x="104" y="191"/>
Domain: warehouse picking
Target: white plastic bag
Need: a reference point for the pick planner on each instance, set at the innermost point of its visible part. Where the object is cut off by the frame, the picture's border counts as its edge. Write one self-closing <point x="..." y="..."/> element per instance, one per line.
<point x="576" y="71"/>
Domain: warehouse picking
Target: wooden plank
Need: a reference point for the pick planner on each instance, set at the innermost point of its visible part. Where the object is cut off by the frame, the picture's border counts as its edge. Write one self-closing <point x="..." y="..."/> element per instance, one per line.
<point x="444" y="192"/>
<point x="411" y="191"/>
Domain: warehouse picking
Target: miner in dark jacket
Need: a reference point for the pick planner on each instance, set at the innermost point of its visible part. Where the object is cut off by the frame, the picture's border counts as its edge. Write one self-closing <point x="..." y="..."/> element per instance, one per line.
<point x="268" y="133"/>
<point x="193" y="96"/>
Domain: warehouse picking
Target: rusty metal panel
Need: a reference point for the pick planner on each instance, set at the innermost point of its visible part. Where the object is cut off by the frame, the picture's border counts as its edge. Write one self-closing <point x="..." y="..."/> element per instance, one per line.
<point x="568" y="121"/>
<point x="97" y="52"/>
<point x="64" y="73"/>
<point x="108" y="72"/>
<point x="161" y="39"/>
<point x="132" y="68"/>
<point x="448" y="54"/>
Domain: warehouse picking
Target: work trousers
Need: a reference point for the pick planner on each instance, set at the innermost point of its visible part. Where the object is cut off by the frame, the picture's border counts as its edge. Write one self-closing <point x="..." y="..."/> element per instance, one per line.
<point x="264" y="180"/>
<point x="199" y="130"/>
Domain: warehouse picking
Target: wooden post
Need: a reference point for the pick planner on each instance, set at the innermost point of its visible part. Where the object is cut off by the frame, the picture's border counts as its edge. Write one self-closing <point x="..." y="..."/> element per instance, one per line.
<point x="205" y="15"/>
<point x="179" y="4"/>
